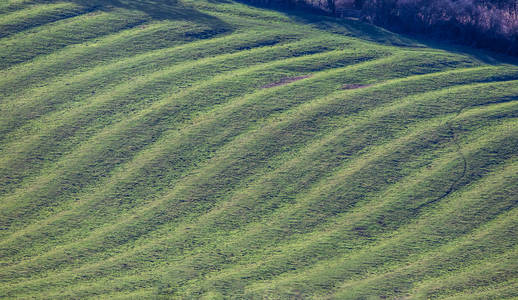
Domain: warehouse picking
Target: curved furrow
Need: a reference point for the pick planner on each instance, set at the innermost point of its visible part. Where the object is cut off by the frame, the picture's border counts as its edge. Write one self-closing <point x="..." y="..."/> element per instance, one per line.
<point x="277" y="233"/>
<point x="199" y="149"/>
<point x="496" y="272"/>
<point x="411" y="241"/>
<point x="507" y="290"/>
<point x="51" y="139"/>
<point x="244" y="12"/>
<point x="202" y="264"/>
<point x="358" y="231"/>
<point x="156" y="255"/>
<point x="141" y="39"/>
<point x="143" y="293"/>
<point x="14" y="5"/>
<point x="134" y="286"/>
<point x="108" y="49"/>
<point x="464" y="251"/>
<point x="24" y="81"/>
<point x="79" y="89"/>
<point x="46" y="39"/>
<point x="152" y="107"/>
<point x="161" y="115"/>
<point x="323" y="82"/>
<point x="38" y="15"/>
<point x="150" y="250"/>
<point x="323" y="157"/>
<point x="210" y="130"/>
<point x="294" y="218"/>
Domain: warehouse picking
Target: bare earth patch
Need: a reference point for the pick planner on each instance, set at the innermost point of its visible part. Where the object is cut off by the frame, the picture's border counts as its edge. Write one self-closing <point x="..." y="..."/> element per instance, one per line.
<point x="354" y="86"/>
<point x="285" y="81"/>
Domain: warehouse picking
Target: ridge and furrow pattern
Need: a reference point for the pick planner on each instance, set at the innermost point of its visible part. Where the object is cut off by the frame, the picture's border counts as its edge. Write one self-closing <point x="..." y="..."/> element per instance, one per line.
<point x="190" y="149"/>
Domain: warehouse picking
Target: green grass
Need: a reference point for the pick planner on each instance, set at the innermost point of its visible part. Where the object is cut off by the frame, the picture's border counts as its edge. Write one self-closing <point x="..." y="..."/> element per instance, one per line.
<point x="141" y="156"/>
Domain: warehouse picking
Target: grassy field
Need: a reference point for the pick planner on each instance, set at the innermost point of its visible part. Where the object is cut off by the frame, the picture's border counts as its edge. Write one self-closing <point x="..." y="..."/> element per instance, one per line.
<point x="204" y="149"/>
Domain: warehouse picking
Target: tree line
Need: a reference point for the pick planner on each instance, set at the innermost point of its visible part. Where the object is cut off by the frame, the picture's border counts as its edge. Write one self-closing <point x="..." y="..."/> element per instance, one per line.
<point x="489" y="24"/>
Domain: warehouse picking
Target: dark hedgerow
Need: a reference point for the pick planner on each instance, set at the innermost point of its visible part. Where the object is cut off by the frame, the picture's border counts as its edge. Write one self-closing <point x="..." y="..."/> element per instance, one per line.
<point x="491" y="24"/>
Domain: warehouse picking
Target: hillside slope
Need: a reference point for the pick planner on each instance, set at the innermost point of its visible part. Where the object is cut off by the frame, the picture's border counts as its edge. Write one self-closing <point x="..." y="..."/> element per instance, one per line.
<point x="207" y="149"/>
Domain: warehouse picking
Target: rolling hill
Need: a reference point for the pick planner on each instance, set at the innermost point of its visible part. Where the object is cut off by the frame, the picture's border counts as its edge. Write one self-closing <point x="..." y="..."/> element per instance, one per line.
<point x="203" y="149"/>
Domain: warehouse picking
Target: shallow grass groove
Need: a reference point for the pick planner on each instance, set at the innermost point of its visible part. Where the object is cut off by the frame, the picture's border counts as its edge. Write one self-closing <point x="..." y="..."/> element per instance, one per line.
<point x="210" y="149"/>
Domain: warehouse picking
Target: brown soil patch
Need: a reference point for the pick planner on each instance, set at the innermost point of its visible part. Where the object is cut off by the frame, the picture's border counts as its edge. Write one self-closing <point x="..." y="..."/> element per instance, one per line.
<point x="354" y="86"/>
<point x="285" y="81"/>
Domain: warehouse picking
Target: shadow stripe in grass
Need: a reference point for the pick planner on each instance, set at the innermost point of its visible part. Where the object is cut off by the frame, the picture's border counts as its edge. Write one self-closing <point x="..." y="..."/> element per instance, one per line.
<point x="25" y="46"/>
<point x="164" y="107"/>
<point x="38" y="15"/>
<point x="125" y="255"/>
